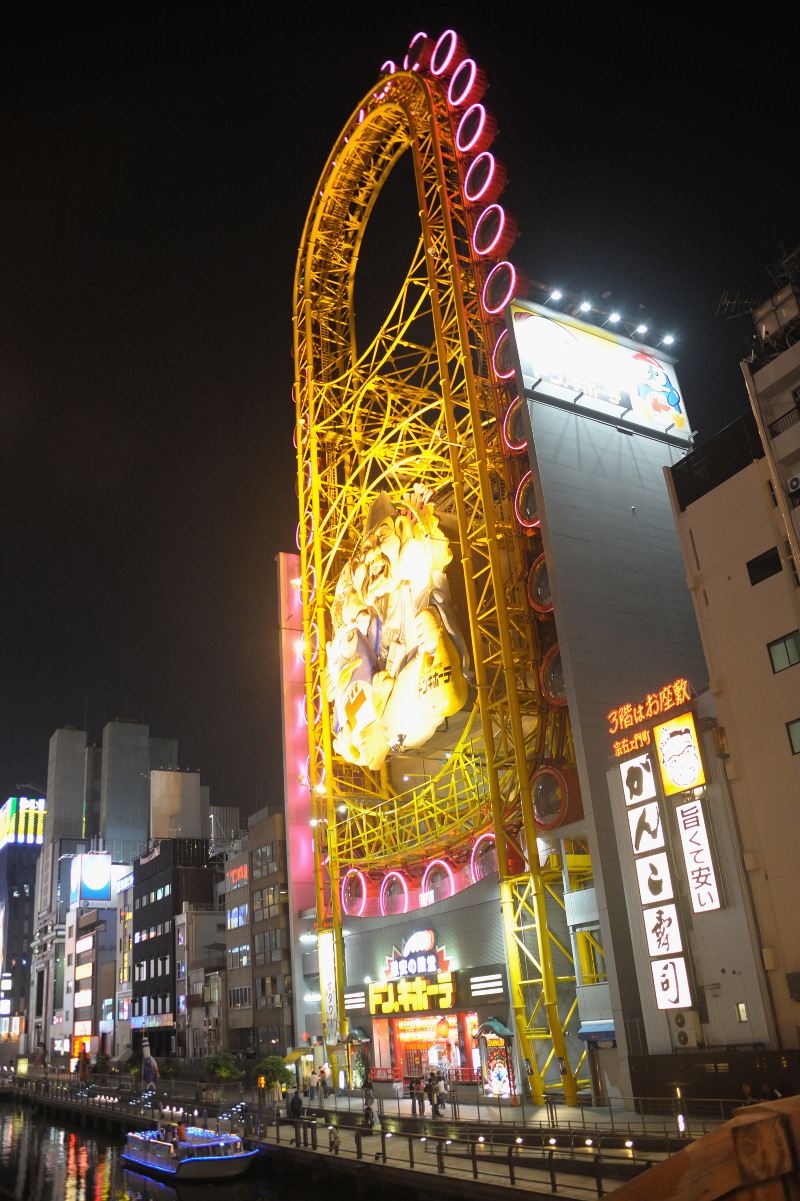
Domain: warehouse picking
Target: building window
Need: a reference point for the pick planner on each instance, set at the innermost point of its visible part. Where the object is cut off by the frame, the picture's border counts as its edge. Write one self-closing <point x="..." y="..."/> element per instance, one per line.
<point x="239" y="998"/>
<point x="238" y="916"/>
<point x="764" y="566"/>
<point x="741" y="1011"/>
<point x="793" y="730"/>
<point x="785" y="652"/>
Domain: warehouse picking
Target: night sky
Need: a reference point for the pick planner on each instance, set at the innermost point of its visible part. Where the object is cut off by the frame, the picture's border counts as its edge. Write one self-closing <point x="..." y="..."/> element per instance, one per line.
<point x="157" y="167"/>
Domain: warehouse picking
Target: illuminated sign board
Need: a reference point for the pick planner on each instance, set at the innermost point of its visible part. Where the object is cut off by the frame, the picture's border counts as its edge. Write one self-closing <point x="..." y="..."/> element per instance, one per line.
<point x="83" y="999"/>
<point x="679" y="755"/>
<point x="237" y="876"/>
<point x="418" y="955"/>
<point x="83" y="971"/>
<point x="326" y="955"/>
<point x="82" y="1029"/>
<point x="90" y="881"/>
<point x="638" y="779"/>
<point x="655" y="881"/>
<point x="647" y="832"/>
<point x="22" y="821"/>
<point x="84" y="944"/>
<point x="572" y="363"/>
<point x="700" y="872"/>
<point x="412" y="994"/>
<point x="671" y="983"/>
<point x="663" y="930"/>
<point x="632" y="714"/>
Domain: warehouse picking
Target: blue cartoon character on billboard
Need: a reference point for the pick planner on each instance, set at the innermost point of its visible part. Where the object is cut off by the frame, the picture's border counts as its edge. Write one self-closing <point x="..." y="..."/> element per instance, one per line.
<point x="658" y="400"/>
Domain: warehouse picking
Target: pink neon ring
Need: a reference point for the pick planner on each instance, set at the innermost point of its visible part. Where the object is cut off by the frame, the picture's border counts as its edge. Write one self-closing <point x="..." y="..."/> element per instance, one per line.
<point x="384" y="885"/>
<point x="495" y="367"/>
<point x="515" y="447"/>
<point x="448" y="869"/>
<point x="527" y="523"/>
<point x="389" y="67"/>
<point x="467" y="146"/>
<point x="354" y="871"/>
<point x="484" y="156"/>
<point x="472" y="69"/>
<point x="407" y="58"/>
<point x="501" y="225"/>
<point x="482" y="838"/>
<point x="512" y="283"/>
<point x="451" y="33"/>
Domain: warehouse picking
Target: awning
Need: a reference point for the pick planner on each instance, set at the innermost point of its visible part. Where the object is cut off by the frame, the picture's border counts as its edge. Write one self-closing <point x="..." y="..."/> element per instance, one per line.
<point x="357" y="1035"/>
<point x="600" y="1031"/>
<point x="293" y="1056"/>
<point x="493" y="1026"/>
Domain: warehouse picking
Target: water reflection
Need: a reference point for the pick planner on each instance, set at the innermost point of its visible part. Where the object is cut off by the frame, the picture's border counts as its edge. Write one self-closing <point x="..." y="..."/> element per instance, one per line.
<point x="41" y="1161"/>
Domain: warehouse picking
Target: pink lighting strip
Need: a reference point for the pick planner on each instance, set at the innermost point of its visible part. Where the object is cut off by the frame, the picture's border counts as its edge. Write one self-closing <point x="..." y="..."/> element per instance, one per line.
<point x="439" y="67"/>
<point x="483" y="838"/>
<point x="473" y="189"/>
<point x="465" y="143"/>
<point x="492" y="277"/>
<point x="354" y="871"/>
<point x="463" y="82"/>
<point x="448" y="869"/>
<point x="515" y="447"/>
<point x="527" y="523"/>
<point x="508" y="374"/>
<point x="491" y="210"/>
<point x="384" y="886"/>
<point x="409" y="62"/>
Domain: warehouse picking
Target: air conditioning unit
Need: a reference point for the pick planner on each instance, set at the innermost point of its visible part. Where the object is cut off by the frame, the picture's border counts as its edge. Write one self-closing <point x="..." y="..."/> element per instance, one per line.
<point x="794" y="483"/>
<point x="684" y="1029"/>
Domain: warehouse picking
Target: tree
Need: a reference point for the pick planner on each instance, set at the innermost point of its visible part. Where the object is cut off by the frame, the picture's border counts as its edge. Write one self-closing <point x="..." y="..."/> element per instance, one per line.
<point x="222" y="1066"/>
<point x="274" y="1071"/>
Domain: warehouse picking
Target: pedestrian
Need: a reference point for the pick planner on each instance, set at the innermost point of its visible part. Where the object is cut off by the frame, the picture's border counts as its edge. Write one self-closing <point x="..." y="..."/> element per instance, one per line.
<point x="334" y="1142"/>
<point x="429" y="1093"/>
<point x="747" y="1093"/>
<point x="420" y="1091"/>
<point x="440" y="1095"/>
<point x="295" y="1109"/>
<point x="369" y="1093"/>
<point x="768" y="1093"/>
<point x="369" y="1117"/>
<point x="313" y="1082"/>
<point x="323" y="1084"/>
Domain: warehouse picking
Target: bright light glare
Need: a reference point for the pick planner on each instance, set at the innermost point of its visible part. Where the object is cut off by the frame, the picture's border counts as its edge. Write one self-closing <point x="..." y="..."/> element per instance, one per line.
<point x="555" y="294"/>
<point x="585" y="306"/>
<point x="614" y="318"/>
<point x="641" y="329"/>
<point x="669" y="340"/>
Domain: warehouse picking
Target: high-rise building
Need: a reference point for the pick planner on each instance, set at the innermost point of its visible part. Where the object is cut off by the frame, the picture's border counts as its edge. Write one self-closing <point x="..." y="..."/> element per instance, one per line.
<point x="21" y="834"/>
<point x="129" y="754"/>
<point x="737" y="509"/>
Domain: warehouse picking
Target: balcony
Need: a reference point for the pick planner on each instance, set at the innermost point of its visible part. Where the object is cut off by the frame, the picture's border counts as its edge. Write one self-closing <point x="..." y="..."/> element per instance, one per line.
<point x="785" y="421"/>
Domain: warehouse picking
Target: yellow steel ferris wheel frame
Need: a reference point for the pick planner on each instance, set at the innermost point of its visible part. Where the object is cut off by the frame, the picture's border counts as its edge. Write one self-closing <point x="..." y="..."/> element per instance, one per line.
<point x="411" y="408"/>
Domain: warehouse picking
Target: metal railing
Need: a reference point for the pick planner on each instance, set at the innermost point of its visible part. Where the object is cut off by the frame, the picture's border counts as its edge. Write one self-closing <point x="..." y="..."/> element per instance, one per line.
<point x="784" y="422"/>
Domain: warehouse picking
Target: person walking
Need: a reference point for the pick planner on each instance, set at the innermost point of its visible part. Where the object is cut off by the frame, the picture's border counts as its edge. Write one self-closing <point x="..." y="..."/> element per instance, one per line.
<point x="420" y="1091"/>
<point x="440" y="1094"/>
<point x="313" y="1082"/>
<point x="429" y="1093"/>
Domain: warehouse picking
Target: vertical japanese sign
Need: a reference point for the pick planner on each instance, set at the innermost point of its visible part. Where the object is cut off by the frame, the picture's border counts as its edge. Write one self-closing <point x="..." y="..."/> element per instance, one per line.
<point x="700" y="873"/>
<point x="327" y="979"/>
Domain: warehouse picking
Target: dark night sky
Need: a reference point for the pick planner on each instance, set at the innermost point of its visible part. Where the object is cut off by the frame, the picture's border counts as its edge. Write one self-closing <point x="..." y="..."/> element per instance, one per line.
<point x="158" y="163"/>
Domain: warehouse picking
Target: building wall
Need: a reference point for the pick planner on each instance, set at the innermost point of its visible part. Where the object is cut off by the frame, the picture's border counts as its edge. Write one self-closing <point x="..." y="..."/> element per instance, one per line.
<point x="125" y="791"/>
<point x="65" y="784"/>
<point x="721" y="531"/>
<point x="176" y="805"/>
<point x="624" y="621"/>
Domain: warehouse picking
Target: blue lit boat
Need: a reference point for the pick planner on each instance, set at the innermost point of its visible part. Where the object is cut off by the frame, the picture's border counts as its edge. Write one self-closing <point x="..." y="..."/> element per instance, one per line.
<point x="203" y="1155"/>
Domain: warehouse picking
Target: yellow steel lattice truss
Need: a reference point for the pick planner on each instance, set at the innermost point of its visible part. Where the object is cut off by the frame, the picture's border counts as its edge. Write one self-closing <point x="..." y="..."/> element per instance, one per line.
<point x="418" y="415"/>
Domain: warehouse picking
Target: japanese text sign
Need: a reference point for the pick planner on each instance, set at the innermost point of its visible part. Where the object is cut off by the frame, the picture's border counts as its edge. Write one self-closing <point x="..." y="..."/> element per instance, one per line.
<point x="412" y="994"/>
<point x="700" y="872"/>
<point x="678" y="752"/>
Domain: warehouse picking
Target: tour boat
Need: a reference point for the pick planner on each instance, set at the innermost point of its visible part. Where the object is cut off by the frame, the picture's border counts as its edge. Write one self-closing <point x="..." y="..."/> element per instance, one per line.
<point x="202" y="1155"/>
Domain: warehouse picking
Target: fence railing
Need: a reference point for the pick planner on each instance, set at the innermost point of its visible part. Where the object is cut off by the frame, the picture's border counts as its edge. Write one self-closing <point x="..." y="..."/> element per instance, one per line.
<point x="784" y="422"/>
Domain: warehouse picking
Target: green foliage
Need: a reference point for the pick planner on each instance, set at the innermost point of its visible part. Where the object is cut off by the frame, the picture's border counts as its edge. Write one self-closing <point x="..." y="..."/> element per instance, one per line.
<point x="360" y="1069"/>
<point x="274" y="1070"/>
<point x="168" y="1068"/>
<point x="222" y="1066"/>
<point x="102" y="1062"/>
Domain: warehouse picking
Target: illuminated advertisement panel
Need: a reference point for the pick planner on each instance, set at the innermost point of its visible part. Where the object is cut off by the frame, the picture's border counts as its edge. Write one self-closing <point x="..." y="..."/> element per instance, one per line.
<point x="90" y="881"/>
<point x="573" y="363"/>
<point x="703" y="888"/>
<point x="679" y="755"/>
<point x="397" y="658"/>
<point x="671" y="982"/>
<point x="22" y="821"/>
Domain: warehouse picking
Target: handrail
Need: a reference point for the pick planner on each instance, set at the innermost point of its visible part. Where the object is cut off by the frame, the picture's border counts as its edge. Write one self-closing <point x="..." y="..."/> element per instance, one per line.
<point x="781" y="424"/>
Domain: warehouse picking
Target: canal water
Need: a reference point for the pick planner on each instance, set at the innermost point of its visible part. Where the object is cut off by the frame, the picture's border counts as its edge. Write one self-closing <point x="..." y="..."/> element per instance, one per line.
<point x="43" y="1161"/>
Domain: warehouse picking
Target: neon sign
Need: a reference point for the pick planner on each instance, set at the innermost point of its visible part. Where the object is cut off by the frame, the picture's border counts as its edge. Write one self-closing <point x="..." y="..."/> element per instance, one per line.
<point x="22" y="821"/>
<point x="679" y="755"/>
<point x="419" y="956"/>
<point x="412" y="994"/>
<point x="700" y="873"/>
<point x="654" y="704"/>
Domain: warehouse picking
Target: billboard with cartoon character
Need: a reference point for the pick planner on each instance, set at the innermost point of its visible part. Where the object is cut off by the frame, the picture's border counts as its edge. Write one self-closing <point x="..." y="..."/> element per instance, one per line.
<point x="592" y="368"/>
<point x="397" y="663"/>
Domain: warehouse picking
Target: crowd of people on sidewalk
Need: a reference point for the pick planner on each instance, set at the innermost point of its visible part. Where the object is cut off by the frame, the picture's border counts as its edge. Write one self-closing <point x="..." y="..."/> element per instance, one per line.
<point x="433" y="1091"/>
